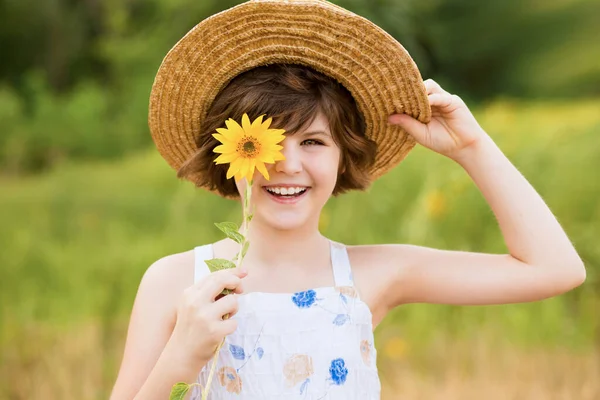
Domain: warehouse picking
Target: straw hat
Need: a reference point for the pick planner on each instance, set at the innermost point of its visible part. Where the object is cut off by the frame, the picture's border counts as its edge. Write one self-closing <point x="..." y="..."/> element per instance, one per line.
<point x="366" y="60"/>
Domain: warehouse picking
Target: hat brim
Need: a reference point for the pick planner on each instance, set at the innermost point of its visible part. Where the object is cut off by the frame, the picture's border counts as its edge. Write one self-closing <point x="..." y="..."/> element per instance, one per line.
<point x="366" y="60"/>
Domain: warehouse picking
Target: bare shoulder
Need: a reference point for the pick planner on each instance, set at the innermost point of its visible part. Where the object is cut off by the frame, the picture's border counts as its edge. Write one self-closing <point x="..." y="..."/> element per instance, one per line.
<point x="152" y="319"/>
<point x="168" y="277"/>
<point x="375" y="269"/>
<point x="174" y="270"/>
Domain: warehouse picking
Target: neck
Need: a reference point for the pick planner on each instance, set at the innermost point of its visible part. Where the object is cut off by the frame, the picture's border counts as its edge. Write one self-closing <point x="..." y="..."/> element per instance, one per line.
<point x="272" y="248"/>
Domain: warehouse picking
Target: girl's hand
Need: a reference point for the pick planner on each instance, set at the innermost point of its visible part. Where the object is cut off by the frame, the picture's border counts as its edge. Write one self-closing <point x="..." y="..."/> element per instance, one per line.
<point x="452" y="128"/>
<point x="200" y="326"/>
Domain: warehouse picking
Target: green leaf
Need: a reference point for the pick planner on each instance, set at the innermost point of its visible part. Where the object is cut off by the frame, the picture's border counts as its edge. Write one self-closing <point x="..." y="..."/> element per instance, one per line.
<point x="179" y="390"/>
<point x="231" y="230"/>
<point x="227" y="226"/>
<point x="249" y="217"/>
<point x="217" y="264"/>
<point x="245" y="248"/>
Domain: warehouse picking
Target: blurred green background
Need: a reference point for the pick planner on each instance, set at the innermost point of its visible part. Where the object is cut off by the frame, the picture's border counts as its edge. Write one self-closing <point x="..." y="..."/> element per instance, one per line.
<point x="87" y="204"/>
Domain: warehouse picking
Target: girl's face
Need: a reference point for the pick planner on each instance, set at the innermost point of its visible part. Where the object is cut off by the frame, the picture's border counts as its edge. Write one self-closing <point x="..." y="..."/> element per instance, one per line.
<point x="311" y="164"/>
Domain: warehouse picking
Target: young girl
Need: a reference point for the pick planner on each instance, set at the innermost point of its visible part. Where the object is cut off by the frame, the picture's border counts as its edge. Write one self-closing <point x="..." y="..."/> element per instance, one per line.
<point x="304" y="307"/>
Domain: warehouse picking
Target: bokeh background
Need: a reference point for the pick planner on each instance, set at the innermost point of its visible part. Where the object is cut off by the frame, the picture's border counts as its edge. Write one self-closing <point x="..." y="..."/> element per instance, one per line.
<point x="87" y="204"/>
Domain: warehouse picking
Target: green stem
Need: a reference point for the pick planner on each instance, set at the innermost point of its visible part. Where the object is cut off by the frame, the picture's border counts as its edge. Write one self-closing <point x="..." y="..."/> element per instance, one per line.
<point x="240" y="258"/>
<point x="212" y="371"/>
<point x="245" y="212"/>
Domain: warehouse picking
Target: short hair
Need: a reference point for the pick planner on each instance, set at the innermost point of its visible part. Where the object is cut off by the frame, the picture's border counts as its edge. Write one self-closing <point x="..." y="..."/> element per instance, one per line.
<point x="292" y="95"/>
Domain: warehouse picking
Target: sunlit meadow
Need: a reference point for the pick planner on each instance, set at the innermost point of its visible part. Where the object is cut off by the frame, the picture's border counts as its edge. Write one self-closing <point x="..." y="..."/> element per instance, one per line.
<point x="76" y="241"/>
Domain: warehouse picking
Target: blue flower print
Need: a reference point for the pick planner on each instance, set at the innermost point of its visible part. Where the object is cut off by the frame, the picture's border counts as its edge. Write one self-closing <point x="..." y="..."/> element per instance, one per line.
<point x="338" y="371"/>
<point x="260" y="352"/>
<point x="341" y="319"/>
<point x="237" y="352"/>
<point x="304" y="299"/>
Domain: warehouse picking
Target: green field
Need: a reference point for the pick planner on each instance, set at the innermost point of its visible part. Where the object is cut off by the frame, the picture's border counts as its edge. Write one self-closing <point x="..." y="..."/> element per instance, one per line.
<point x="76" y="240"/>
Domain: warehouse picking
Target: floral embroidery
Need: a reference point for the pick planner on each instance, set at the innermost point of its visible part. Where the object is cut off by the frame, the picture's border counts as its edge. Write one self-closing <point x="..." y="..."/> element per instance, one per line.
<point x="365" y="351"/>
<point x="341" y="319"/>
<point x="238" y="352"/>
<point x="229" y="378"/>
<point x="298" y="368"/>
<point x="338" y="371"/>
<point x="345" y="292"/>
<point x="304" y="299"/>
<point x="349" y="291"/>
<point x="309" y="298"/>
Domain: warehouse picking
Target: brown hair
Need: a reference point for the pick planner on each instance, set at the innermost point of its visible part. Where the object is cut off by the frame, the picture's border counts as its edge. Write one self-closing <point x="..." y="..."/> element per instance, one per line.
<point x="292" y="95"/>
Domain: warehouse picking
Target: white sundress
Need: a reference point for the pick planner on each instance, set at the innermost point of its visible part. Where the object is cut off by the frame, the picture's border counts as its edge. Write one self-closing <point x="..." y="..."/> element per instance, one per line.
<point x="316" y="344"/>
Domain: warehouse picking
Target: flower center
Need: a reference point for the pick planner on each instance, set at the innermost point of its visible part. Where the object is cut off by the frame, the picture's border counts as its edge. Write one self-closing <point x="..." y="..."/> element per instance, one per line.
<point x="248" y="147"/>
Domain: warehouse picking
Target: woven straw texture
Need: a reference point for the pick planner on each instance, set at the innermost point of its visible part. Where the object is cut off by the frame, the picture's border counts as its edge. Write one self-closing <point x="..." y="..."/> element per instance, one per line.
<point x="370" y="63"/>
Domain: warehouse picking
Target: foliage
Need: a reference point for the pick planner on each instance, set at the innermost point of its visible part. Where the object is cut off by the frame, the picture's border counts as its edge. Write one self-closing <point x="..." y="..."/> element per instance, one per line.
<point x="69" y="235"/>
<point x="77" y="78"/>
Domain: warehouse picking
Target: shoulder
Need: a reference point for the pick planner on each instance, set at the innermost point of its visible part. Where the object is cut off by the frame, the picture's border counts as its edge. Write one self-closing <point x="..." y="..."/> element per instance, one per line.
<point x="378" y="259"/>
<point x="378" y="269"/>
<point x="171" y="274"/>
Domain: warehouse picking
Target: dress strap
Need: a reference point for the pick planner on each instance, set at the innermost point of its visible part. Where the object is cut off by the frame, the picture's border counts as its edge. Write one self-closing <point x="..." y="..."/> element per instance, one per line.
<point x="342" y="272"/>
<point x="202" y="253"/>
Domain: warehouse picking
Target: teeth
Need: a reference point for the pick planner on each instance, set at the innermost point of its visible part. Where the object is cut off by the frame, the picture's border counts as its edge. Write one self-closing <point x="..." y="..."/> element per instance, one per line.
<point x="286" y="191"/>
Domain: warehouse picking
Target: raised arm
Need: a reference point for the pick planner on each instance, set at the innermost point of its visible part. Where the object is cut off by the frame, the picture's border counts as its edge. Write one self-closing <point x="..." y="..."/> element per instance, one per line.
<point x="541" y="262"/>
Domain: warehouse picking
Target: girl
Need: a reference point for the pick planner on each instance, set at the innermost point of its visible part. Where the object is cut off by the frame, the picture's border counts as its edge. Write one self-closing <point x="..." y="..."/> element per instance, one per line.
<point x="303" y="307"/>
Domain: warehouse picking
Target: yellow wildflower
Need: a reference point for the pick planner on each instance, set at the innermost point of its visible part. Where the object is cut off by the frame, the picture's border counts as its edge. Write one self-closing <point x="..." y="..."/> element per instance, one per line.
<point x="248" y="146"/>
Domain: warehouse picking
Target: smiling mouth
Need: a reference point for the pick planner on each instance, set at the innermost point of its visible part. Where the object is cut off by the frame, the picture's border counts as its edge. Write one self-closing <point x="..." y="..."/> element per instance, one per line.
<point x="286" y="193"/>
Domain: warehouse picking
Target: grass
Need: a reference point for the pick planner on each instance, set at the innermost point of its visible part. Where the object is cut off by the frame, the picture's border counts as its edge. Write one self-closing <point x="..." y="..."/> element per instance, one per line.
<point x="76" y="241"/>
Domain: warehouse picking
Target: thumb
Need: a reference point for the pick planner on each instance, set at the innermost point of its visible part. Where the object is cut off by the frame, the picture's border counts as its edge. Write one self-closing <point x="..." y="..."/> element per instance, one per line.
<point x="411" y="125"/>
<point x="240" y="271"/>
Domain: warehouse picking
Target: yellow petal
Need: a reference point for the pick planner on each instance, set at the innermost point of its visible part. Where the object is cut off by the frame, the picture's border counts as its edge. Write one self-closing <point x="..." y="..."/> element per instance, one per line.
<point x="234" y="167"/>
<point x="267" y="158"/>
<point x="234" y="127"/>
<point x="219" y="137"/>
<point x="225" y="148"/>
<point x="256" y="125"/>
<point x="246" y="123"/>
<point x="267" y="123"/>
<point x="230" y="172"/>
<point x="229" y="135"/>
<point x="262" y="169"/>
<point x="225" y="158"/>
<point x="244" y="167"/>
<point x="276" y="131"/>
<point x="278" y="156"/>
<point x="250" y="174"/>
<point x="271" y="139"/>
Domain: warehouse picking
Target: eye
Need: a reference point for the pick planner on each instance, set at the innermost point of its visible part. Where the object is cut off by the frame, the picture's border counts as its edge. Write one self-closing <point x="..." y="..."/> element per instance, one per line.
<point x="312" y="142"/>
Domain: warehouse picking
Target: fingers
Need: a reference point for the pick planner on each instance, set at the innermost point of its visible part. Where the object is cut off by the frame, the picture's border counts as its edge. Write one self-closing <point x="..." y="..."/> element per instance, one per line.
<point x="413" y="126"/>
<point x="433" y="87"/>
<point x="225" y="305"/>
<point x="437" y="96"/>
<point x="442" y="100"/>
<point x="224" y="279"/>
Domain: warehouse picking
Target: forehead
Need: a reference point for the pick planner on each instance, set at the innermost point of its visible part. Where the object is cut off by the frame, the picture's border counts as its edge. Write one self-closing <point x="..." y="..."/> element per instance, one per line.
<point x="320" y="123"/>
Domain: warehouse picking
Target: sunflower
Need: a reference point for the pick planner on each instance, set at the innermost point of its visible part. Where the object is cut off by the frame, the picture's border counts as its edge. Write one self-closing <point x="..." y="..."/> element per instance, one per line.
<point x="248" y="146"/>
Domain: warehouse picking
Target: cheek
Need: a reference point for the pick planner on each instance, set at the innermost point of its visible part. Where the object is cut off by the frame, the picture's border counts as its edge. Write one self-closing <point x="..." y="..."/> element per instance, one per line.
<point x="325" y="168"/>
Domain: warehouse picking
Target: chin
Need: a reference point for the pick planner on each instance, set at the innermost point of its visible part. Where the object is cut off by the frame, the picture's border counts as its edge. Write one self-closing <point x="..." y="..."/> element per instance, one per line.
<point x="284" y="221"/>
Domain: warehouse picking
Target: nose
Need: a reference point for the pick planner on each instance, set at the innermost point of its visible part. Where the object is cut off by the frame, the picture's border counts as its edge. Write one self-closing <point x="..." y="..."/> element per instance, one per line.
<point x="293" y="161"/>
